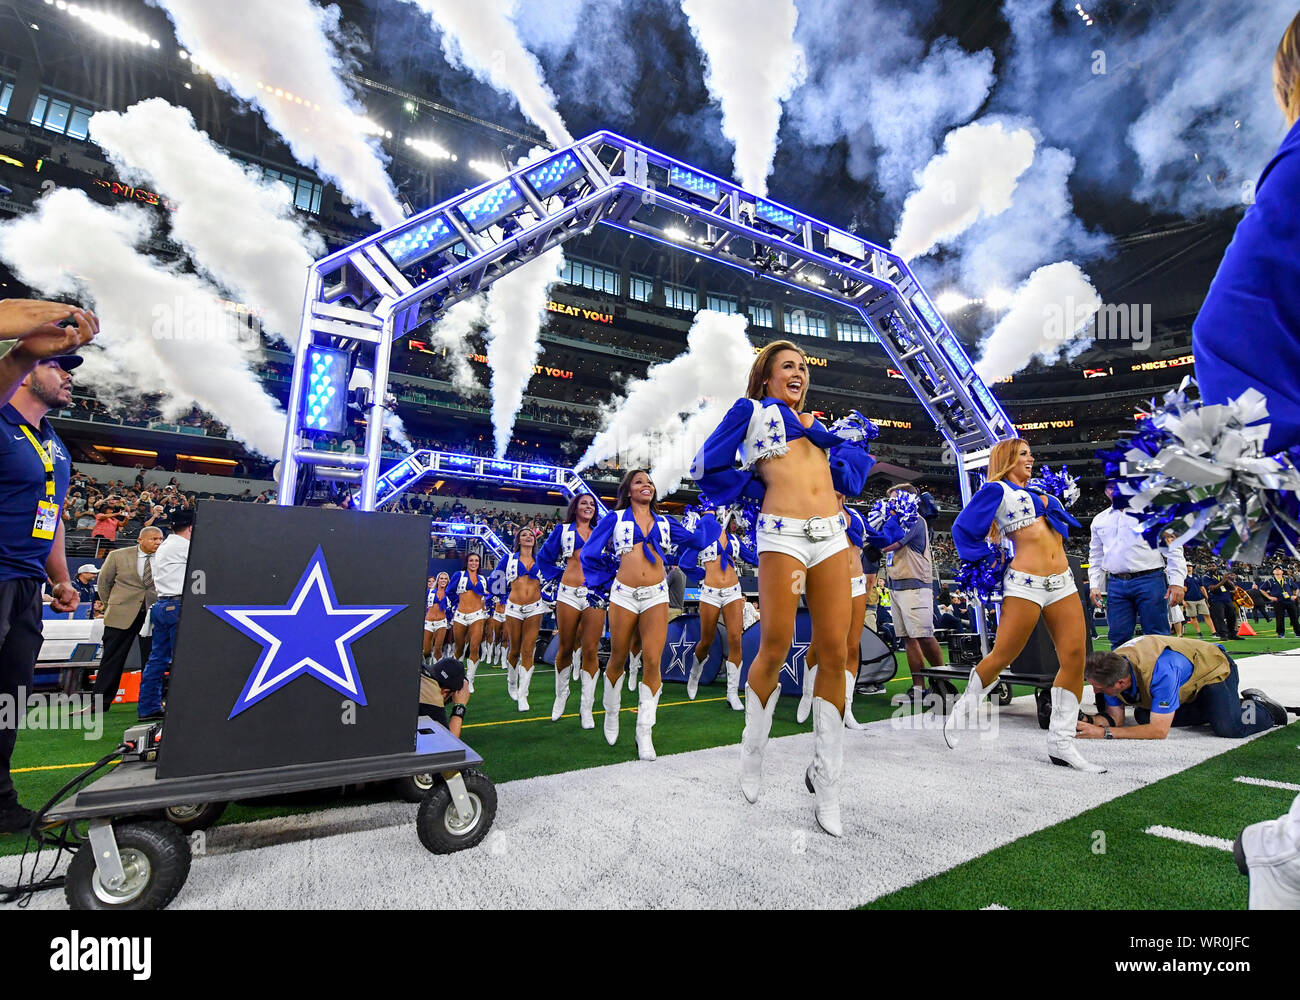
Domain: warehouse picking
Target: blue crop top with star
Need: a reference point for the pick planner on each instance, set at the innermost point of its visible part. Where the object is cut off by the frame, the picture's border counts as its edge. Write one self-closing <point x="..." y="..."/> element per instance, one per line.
<point x="460" y="582"/>
<point x="706" y="545"/>
<point x="1012" y="508"/>
<point x="560" y="545"/>
<point x="515" y="569"/>
<point x="726" y="466"/>
<point x="619" y="533"/>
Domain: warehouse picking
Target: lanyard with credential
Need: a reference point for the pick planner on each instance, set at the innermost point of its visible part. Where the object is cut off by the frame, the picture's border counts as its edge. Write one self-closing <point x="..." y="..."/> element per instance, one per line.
<point x="47" y="511"/>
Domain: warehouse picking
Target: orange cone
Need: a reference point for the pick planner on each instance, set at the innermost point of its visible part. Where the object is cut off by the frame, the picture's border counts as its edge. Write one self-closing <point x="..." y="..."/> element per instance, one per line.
<point x="1244" y="630"/>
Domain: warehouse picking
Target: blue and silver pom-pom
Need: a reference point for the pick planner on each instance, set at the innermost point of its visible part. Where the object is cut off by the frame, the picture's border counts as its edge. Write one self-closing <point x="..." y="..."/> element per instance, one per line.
<point x="598" y="599"/>
<point x="903" y="506"/>
<point x="1061" y="484"/>
<point x="1201" y="471"/>
<point x="983" y="576"/>
<point x="551" y="590"/>
<point x="855" y="427"/>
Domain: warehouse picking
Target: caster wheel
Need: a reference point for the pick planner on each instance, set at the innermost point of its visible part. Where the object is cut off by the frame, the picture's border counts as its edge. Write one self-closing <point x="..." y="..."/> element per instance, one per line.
<point x="946" y="693"/>
<point x="194" y="816"/>
<point x="1043" y="697"/>
<point x="155" y="861"/>
<point x="439" y="825"/>
<point x="414" y="787"/>
<point x="1003" y="692"/>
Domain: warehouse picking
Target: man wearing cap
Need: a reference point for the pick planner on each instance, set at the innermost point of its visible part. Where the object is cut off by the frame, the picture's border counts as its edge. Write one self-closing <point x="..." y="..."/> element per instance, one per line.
<point x="442" y="684"/>
<point x="911" y="586"/>
<point x="1139" y="582"/>
<point x="84" y="583"/>
<point x="126" y="587"/>
<point x="169" y="581"/>
<point x="35" y="377"/>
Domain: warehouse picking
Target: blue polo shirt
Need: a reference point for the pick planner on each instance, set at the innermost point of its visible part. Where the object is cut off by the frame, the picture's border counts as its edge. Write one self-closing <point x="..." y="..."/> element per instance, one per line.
<point x="1171" y="672"/>
<point x="22" y="484"/>
<point x="1194" y="591"/>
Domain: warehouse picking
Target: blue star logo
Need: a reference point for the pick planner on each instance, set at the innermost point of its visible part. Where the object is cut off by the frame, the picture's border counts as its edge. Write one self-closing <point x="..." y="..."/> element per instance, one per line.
<point x="311" y="634"/>
<point x="772" y="424"/>
<point x="681" y="660"/>
<point x="777" y="524"/>
<point x="796" y="663"/>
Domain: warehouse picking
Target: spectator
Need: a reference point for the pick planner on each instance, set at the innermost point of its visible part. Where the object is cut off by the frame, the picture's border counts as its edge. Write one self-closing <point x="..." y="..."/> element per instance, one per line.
<point x="126" y="587"/>
<point x="169" y="580"/>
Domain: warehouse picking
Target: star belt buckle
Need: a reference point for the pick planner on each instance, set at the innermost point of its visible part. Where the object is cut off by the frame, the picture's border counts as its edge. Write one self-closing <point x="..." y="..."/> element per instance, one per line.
<point x="817" y="529"/>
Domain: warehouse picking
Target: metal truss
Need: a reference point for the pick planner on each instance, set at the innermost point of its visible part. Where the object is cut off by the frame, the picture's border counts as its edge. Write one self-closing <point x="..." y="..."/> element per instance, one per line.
<point x="481" y="532"/>
<point x="383" y="287"/>
<point x="416" y="466"/>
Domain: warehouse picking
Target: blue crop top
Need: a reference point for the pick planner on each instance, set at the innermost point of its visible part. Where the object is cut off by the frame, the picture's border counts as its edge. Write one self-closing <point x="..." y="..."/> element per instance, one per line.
<point x="619" y="533"/>
<point x="725" y="467"/>
<point x="1011" y="507"/>
<point x="560" y="545"/>
<point x="460" y="583"/>
<point x="706" y="545"/>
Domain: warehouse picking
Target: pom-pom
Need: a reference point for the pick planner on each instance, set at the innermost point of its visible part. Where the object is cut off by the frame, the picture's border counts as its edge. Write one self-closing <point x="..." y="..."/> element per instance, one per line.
<point x="855" y="427"/>
<point x="983" y="576"/>
<point x="1061" y="485"/>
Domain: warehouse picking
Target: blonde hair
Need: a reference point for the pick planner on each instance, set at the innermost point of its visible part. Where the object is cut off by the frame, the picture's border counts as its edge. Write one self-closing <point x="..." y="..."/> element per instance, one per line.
<point x="1002" y="459"/>
<point x="762" y="370"/>
<point x="1286" y="73"/>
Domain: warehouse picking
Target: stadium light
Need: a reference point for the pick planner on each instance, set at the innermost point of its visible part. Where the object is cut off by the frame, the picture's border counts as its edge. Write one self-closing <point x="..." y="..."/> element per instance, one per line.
<point x="106" y="24"/>
<point x="951" y="301"/>
<point x="326" y="404"/>
<point x="997" y="299"/>
<point x="430" y="149"/>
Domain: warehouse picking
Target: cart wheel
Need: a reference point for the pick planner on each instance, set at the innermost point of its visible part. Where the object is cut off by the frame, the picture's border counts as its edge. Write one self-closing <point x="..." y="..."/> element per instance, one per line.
<point x="439" y="825"/>
<point x="1043" y="696"/>
<point x="1003" y="691"/>
<point x="155" y="859"/>
<point x="946" y="691"/>
<point x="195" y="815"/>
<point x="414" y="787"/>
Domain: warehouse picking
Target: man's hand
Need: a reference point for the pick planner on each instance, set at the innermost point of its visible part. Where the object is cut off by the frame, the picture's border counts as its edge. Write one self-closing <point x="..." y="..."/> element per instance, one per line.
<point x="19" y="317"/>
<point x="1087" y="731"/>
<point x="39" y="335"/>
<point x="65" y="597"/>
<point x="1174" y="595"/>
<point x="1095" y="598"/>
<point x="461" y="697"/>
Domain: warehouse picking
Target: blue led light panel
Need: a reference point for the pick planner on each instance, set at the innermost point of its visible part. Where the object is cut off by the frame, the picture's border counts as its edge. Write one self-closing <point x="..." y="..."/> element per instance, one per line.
<point x="687" y="181"/>
<point x="420" y="241"/>
<point x="777" y="216"/>
<point x="325" y="405"/>
<point x="554" y="174"/>
<point x="491" y="206"/>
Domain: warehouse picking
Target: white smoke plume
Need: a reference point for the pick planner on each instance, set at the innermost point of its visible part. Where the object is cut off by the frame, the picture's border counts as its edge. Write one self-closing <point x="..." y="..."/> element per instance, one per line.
<point x="665" y="417"/>
<point x="396" y="430"/>
<point x="238" y="229"/>
<point x="161" y="332"/>
<point x="284" y="58"/>
<point x="516" y="309"/>
<point x="753" y="64"/>
<point x="452" y="332"/>
<point x="973" y="177"/>
<point x="483" y="38"/>
<point x="1044" y="320"/>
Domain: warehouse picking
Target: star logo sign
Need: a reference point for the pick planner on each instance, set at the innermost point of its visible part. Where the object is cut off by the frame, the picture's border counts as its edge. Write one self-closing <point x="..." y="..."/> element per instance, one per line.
<point x="311" y="634"/>
<point x="681" y="659"/>
<point x="796" y="664"/>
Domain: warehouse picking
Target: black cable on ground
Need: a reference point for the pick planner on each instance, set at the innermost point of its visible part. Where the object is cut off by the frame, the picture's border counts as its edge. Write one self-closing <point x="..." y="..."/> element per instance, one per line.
<point x="23" y="893"/>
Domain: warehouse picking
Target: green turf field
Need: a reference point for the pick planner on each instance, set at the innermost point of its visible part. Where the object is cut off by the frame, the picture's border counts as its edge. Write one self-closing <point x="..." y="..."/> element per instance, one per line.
<point x="521" y="745"/>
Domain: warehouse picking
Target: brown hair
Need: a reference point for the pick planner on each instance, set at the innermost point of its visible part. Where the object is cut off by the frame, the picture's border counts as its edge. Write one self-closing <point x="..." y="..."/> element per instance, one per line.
<point x="1003" y="458"/>
<point x="1286" y="73"/>
<point x="762" y="370"/>
<point x="572" y="515"/>
<point x="625" y="490"/>
<point x="1105" y="667"/>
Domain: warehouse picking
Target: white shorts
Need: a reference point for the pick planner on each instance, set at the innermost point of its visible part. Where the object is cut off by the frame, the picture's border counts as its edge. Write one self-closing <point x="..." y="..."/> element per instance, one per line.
<point x="441" y="623"/>
<point x="811" y="541"/>
<point x="521" y="611"/>
<point x="638" y="599"/>
<point x="470" y="618"/>
<point x="1042" y="590"/>
<point x="912" y="612"/>
<point x="858" y="586"/>
<point x="720" y="597"/>
<point x="499" y="615"/>
<point x="574" y="597"/>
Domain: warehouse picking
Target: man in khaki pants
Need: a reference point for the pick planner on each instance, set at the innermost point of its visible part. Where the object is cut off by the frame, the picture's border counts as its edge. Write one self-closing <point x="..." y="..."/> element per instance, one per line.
<point x="911" y="592"/>
<point x="126" y="588"/>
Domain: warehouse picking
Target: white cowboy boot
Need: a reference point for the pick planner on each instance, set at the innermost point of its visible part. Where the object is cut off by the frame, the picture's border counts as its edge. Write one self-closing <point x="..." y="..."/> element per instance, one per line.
<point x="733" y="687"/>
<point x="633" y="665"/>
<point x="525" y="679"/>
<point x="471" y="668"/>
<point x="512" y="681"/>
<point x="693" y="681"/>
<point x="806" y="697"/>
<point x="561" y="693"/>
<point x="964" y="710"/>
<point x="850" y="681"/>
<point x="753" y="741"/>
<point x="588" y="700"/>
<point x="1060" y="733"/>
<point x="823" y="775"/>
<point x="613" y="699"/>
<point x="486" y="652"/>
<point x="1269" y="853"/>
<point x="646" y="712"/>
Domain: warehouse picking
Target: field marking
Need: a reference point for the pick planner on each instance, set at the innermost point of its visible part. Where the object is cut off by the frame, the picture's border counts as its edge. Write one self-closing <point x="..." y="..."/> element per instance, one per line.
<point x="50" y="767"/>
<point x="1286" y="786"/>
<point x="1187" y="837"/>
<point x="993" y="906"/>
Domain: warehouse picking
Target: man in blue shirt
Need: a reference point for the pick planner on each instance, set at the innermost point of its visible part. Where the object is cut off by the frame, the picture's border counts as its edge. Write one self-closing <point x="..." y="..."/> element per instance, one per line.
<point x="34" y="470"/>
<point x="1171" y="681"/>
<point x="1281" y="594"/>
<point x="1198" y="608"/>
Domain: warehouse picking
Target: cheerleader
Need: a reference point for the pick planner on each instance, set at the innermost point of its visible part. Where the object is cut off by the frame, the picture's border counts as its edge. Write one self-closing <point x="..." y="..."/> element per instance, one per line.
<point x="1037" y="583"/>
<point x="469" y="594"/>
<point x="436" y="617"/>
<point x="626" y="556"/>
<point x="712" y="556"/>
<point x="524" y="610"/>
<point x="579" y="625"/>
<point x="858" y="582"/>
<point x="494" y="628"/>
<point x="766" y="448"/>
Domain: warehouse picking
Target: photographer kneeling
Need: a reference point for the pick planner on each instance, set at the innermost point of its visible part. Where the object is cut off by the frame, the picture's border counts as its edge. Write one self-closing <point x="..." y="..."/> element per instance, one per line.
<point x="441" y="684"/>
<point x="1172" y="681"/>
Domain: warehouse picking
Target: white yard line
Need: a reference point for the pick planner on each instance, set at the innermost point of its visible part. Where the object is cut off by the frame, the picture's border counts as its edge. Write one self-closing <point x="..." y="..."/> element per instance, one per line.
<point x="1187" y="837"/>
<point x="1286" y="786"/>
